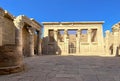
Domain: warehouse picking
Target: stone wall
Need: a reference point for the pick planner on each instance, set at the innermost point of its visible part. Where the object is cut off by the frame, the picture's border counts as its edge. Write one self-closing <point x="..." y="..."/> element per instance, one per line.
<point x="0" y="36"/>
<point x="8" y="31"/>
<point x="112" y="41"/>
<point x="109" y="39"/>
<point x="1" y="21"/>
<point x="7" y="28"/>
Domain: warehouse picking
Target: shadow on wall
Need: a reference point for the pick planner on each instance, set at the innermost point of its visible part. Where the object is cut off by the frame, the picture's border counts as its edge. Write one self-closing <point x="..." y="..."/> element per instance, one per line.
<point x="111" y="49"/>
<point x="117" y="50"/>
<point x="50" y="47"/>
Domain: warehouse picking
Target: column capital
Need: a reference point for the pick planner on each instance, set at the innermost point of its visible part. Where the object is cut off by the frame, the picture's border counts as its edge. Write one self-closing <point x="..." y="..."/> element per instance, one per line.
<point x="78" y="31"/>
<point x="18" y="23"/>
<point x="31" y="30"/>
<point x="89" y="31"/>
<point x="65" y="31"/>
<point x="55" y="31"/>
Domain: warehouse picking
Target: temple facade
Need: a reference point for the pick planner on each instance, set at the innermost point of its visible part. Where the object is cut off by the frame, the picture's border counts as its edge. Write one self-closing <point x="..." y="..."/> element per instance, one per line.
<point x="80" y="38"/>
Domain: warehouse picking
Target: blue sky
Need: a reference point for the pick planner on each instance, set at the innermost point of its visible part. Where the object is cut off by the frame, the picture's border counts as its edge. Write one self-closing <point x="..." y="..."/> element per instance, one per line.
<point x="66" y="10"/>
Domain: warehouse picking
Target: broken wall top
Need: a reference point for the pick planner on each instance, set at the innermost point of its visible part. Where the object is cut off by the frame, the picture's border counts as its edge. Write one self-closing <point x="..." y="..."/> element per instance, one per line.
<point x="6" y="14"/>
<point x="30" y="21"/>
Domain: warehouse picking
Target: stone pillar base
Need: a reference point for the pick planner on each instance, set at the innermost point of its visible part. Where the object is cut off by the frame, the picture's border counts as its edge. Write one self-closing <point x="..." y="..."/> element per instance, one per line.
<point x="11" y="61"/>
<point x="10" y="70"/>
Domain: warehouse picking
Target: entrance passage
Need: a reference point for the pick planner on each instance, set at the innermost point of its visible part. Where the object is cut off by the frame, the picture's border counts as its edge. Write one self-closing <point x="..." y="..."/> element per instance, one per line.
<point x="72" y="41"/>
<point x="72" y="47"/>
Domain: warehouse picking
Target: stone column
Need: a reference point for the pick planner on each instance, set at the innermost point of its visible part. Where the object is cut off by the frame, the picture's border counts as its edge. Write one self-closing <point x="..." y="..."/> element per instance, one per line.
<point x="100" y="38"/>
<point x="89" y="35"/>
<point x="78" y="42"/>
<point x="55" y="42"/>
<point x="107" y="42"/>
<point x="66" y="41"/>
<point x="89" y="39"/>
<point x="39" y="43"/>
<point x="18" y="35"/>
<point x="115" y="40"/>
<point x="31" y="41"/>
<point x="55" y="35"/>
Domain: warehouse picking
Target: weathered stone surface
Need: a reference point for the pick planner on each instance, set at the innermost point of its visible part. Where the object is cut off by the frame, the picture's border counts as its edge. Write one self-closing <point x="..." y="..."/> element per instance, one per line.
<point x="11" y="69"/>
<point x="17" y="37"/>
<point x="21" y="31"/>
<point x="11" y="61"/>
<point x="112" y="44"/>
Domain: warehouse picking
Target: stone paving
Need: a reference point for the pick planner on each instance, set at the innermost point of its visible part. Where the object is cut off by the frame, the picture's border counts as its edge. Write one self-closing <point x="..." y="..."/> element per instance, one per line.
<point x="68" y="68"/>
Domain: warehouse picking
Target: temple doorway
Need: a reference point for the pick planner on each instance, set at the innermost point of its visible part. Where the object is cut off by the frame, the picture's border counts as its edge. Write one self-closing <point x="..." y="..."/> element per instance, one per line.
<point x="72" y="41"/>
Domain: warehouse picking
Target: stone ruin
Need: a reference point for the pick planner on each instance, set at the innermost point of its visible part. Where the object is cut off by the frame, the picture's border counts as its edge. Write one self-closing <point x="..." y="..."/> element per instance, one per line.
<point x="112" y="41"/>
<point x="11" y="61"/>
<point x="21" y="37"/>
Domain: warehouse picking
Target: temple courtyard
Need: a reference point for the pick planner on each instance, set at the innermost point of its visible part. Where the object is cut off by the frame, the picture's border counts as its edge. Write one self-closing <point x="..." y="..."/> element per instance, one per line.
<point x="68" y="68"/>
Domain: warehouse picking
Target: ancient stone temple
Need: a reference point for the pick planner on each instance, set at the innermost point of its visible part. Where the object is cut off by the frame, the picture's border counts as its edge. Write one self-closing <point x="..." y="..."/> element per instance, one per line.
<point x="21" y="36"/>
<point x="18" y="36"/>
<point x="66" y="38"/>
